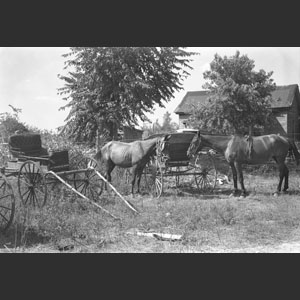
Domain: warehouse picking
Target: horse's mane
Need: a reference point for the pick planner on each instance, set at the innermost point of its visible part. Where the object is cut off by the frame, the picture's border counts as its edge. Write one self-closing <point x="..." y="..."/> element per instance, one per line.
<point x="155" y="136"/>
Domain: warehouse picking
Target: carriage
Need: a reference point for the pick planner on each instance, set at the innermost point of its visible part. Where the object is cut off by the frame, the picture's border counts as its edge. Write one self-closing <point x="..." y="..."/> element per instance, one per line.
<point x="172" y="164"/>
<point x="36" y="170"/>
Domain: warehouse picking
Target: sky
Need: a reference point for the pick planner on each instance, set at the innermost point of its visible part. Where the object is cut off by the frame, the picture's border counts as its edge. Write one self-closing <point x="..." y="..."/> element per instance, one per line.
<point x="29" y="78"/>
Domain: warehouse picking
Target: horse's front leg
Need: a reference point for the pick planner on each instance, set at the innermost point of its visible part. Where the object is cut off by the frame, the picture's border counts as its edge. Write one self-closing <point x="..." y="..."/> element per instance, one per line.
<point x="238" y="167"/>
<point x="234" y="176"/>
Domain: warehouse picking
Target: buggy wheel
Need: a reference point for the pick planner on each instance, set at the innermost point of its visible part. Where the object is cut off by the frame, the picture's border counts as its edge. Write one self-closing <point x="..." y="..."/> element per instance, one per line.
<point x="153" y="178"/>
<point x="88" y="182"/>
<point x="177" y="176"/>
<point x="32" y="185"/>
<point x="7" y="203"/>
<point x="205" y="172"/>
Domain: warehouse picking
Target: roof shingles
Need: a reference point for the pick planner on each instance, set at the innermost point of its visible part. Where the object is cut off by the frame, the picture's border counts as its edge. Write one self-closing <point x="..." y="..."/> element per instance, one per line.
<point x="282" y="97"/>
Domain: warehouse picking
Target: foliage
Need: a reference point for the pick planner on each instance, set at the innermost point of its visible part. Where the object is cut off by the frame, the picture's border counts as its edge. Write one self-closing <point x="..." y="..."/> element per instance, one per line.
<point x="112" y="86"/>
<point x="239" y="96"/>
<point x="10" y="124"/>
<point x="167" y="126"/>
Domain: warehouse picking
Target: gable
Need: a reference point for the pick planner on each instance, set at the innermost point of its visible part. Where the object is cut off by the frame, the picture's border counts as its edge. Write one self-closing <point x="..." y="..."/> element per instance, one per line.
<point x="283" y="96"/>
<point x="190" y="100"/>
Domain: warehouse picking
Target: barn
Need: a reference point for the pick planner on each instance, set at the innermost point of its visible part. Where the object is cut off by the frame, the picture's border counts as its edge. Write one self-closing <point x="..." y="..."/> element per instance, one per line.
<point x="285" y="108"/>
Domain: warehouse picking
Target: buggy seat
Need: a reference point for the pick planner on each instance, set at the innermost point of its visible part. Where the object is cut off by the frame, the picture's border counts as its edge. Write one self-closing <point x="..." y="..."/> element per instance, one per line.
<point x="29" y="146"/>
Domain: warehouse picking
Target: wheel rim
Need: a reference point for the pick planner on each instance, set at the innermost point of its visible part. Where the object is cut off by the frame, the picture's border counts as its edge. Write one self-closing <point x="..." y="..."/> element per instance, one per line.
<point x="7" y="204"/>
<point x="88" y="183"/>
<point x="154" y="178"/>
<point x="205" y="173"/>
<point x="31" y="185"/>
<point x="177" y="177"/>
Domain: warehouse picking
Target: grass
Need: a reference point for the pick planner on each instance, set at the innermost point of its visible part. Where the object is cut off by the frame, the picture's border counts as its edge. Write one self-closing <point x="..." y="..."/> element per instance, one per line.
<point x="207" y="223"/>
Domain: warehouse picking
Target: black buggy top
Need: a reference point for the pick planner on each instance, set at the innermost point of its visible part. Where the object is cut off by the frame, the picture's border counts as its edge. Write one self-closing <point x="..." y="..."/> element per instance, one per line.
<point x="29" y="146"/>
<point x="176" y="147"/>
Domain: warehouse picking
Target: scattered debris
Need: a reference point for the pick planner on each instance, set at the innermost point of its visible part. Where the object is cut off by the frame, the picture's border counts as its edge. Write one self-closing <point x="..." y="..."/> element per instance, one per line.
<point x="157" y="235"/>
<point x="65" y="248"/>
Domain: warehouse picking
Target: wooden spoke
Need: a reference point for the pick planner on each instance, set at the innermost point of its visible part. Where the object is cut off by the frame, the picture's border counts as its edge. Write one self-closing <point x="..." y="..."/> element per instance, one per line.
<point x="7" y="203"/>
<point x="205" y="173"/>
<point x="32" y="185"/>
<point x="86" y="182"/>
<point x="153" y="178"/>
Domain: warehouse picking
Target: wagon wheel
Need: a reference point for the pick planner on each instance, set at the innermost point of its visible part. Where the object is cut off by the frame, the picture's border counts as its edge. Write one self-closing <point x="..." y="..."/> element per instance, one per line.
<point x="32" y="185"/>
<point x="153" y="177"/>
<point x="205" y="172"/>
<point x="7" y="203"/>
<point x="177" y="177"/>
<point x="88" y="182"/>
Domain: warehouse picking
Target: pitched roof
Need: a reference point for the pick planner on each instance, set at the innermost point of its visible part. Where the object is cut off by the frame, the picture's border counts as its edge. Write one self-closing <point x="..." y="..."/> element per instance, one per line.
<point x="190" y="99"/>
<point x="282" y="97"/>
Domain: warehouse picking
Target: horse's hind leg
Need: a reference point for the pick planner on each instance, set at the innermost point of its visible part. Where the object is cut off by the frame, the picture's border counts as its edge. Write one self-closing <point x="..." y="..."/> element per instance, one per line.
<point x="281" y="168"/>
<point x="134" y="172"/>
<point x="286" y="178"/>
<point x="139" y="175"/>
<point x="109" y="168"/>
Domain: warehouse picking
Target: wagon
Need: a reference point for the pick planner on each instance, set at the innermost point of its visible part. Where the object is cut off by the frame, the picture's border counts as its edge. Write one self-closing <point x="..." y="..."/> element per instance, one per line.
<point x="173" y="162"/>
<point x="37" y="169"/>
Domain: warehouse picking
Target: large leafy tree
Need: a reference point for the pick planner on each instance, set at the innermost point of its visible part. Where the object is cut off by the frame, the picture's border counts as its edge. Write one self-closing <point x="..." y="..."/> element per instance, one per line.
<point x="239" y="96"/>
<point x="111" y="86"/>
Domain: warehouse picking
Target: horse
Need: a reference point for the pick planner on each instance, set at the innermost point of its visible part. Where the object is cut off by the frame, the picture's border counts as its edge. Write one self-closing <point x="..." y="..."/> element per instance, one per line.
<point x="126" y="155"/>
<point x="239" y="150"/>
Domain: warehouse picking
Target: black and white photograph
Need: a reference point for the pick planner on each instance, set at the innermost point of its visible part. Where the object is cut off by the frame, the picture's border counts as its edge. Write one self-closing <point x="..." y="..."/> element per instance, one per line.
<point x="149" y="149"/>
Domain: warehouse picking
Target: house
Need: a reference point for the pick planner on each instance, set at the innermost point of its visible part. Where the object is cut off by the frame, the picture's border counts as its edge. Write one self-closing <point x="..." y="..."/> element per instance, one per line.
<point x="129" y="134"/>
<point x="285" y="107"/>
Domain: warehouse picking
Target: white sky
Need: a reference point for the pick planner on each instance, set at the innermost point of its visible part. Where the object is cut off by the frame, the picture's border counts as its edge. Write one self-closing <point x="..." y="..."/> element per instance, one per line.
<point x="28" y="78"/>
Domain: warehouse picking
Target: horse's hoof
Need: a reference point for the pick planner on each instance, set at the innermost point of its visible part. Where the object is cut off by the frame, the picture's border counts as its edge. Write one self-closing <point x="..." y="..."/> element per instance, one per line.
<point x="235" y="194"/>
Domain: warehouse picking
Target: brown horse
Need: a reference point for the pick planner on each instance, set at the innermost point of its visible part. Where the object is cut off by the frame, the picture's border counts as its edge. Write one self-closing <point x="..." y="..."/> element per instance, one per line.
<point x="126" y="155"/>
<point x="239" y="150"/>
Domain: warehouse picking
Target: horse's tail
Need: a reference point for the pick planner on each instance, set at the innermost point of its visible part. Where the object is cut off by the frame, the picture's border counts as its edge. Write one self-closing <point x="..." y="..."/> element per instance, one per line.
<point x="293" y="147"/>
<point x="98" y="156"/>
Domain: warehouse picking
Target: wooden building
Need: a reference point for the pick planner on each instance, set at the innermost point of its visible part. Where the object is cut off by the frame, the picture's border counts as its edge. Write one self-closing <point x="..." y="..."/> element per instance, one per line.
<point x="285" y="107"/>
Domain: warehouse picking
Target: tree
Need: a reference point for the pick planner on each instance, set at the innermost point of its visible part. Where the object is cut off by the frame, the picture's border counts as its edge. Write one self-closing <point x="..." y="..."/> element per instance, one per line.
<point x="10" y="124"/>
<point x="167" y="126"/>
<point x="239" y="97"/>
<point x="167" y="122"/>
<point x="112" y="86"/>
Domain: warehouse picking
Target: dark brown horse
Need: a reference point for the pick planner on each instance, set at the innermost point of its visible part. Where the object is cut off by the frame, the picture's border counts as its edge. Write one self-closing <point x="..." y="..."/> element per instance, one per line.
<point x="239" y="150"/>
<point x="126" y="155"/>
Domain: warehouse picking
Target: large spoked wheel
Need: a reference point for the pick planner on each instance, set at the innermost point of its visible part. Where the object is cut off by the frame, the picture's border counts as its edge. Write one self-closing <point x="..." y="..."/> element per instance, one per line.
<point x="153" y="178"/>
<point x="205" y="172"/>
<point x="32" y="185"/>
<point x="88" y="182"/>
<point x="7" y="204"/>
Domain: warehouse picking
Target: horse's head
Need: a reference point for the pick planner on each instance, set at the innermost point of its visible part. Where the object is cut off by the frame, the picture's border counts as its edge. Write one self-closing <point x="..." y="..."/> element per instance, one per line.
<point x="195" y="145"/>
<point x="162" y="146"/>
